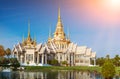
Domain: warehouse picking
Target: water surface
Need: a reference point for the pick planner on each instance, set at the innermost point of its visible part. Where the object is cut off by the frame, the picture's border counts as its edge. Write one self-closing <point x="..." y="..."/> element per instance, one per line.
<point x="50" y="75"/>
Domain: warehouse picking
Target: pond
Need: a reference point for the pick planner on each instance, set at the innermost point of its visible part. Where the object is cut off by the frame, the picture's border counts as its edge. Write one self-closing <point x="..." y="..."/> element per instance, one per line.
<point x="50" y="75"/>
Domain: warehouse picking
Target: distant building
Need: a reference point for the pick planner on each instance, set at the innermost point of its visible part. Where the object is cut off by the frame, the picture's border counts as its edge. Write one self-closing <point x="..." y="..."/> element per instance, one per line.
<point x="58" y="47"/>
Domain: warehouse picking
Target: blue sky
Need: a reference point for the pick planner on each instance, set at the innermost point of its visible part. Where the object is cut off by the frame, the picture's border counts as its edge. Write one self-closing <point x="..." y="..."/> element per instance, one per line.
<point x="90" y="22"/>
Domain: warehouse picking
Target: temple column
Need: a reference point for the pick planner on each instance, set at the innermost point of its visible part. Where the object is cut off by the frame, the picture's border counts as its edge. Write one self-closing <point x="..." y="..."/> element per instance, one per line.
<point x="64" y="57"/>
<point x="83" y="60"/>
<point x="25" y="59"/>
<point x="21" y="59"/>
<point x="59" y="46"/>
<point x="33" y="58"/>
<point x="42" y="58"/>
<point x="72" y="59"/>
<point x="17" y="55"/>
<point x="69" y="59"/>
<point x="94" y="62"/>
<point x="89" y="61"/>
<point x="38" y="58"/>
<point x="45" y="58"/>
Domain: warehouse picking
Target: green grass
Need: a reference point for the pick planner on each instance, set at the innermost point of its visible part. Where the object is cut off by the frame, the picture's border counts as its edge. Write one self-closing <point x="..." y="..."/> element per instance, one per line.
<point x="51" y="68"/>
<point x="74" y="68"/>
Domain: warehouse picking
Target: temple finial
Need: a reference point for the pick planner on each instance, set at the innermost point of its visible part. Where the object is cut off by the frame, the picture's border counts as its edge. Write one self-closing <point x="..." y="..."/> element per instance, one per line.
<point x="68" y="33"/>
<point x="50" y="31"/>
<point x="29" y="28"/>
<point x="23" y="38"/>
<point x="59" y="32"/>
<point x="29" y="37"/>
<point x="34" y="41"/>
<point x="34" y="38"/>
<point x="59" y="17"/>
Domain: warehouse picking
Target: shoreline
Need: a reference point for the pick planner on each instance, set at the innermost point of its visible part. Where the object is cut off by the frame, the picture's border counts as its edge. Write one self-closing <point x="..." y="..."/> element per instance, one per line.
<point x="73" y="68"/>
<point x="56" y="68"/>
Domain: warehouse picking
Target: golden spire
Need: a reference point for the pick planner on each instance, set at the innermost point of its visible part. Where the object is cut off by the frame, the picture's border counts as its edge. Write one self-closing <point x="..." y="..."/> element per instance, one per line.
<point x="34" y="42"/>
<point x="29" y="37"/>
<point x="34" y="38"/>
<point x="59" y="17"/>
<point x="28" y="28"/>
<point x="50" y="32"/>
<point x="68" y="33"/>
<point x="29" y="40"/>
<point x="23" y="39"/>
<point x="59" y="33"/>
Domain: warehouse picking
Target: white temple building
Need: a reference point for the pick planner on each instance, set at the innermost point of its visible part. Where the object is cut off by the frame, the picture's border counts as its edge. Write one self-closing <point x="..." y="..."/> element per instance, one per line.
<point x="58" y="47"/>
<point x="29" y="52"/>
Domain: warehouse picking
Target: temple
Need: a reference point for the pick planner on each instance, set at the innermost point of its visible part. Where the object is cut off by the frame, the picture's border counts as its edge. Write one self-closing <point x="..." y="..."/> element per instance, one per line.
<point x="58" y="47"/>
<point x="29" y="52"/>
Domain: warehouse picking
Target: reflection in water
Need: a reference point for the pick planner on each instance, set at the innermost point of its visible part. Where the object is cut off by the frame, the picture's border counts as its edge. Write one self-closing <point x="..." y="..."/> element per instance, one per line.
<point x="9" y="75"/>
<point x="49" y="75"/>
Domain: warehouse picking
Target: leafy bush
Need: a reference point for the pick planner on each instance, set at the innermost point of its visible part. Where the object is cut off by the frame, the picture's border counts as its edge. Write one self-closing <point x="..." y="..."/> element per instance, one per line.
<point x="108" y="69"/>
<point x="54" y="62"/>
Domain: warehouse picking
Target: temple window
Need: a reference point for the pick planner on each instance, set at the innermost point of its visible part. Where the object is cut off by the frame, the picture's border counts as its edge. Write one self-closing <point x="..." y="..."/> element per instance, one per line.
<point x="86" y="61"/>
<point x="15" y="53"/>
<point x="76" y="61"/>
<point x="67" y="58"/>
<point x="61" y="57"/>
<point x="29" y="57"/>
<point x="81" y="61"/>
<point x="56" y="57"/>
<point x="62" y="46"/>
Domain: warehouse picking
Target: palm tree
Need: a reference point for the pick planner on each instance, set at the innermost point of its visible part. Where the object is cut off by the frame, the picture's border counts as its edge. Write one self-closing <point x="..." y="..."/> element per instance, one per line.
<point x="117" y="60"/>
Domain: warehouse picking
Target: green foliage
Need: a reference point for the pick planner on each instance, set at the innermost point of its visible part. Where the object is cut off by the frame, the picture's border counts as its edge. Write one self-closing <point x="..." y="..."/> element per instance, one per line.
<point x="100" y="61"/>
<point x="8" y="52"/>
<point x="27" y="62"/>
<point x="56" y="68"/>
<point x="6" y="62"/>
<point x="3" y="61"/>
<point x="14" y="62"/>
<point x="116" y="60"/>
<point x="108" y="69"/>
<point x="64" y="63"/>
<point x="54" y="62"/>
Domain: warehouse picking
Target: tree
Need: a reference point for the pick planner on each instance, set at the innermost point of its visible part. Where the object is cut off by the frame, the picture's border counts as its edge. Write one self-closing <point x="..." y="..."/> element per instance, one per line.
<point x="108" y="69"/>
<point x="100" y="61"/>
<point x="116" y="60"/>
<point x="8" y="52"/>
<point x="2" y="51"/>
<point x="15" y="62"/>
<point x="107" y="56"/>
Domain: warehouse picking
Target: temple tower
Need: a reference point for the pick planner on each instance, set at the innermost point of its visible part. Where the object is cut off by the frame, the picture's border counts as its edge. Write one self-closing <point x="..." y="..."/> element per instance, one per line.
<point x="59" y="39"/>
<point x="28" y="41"/>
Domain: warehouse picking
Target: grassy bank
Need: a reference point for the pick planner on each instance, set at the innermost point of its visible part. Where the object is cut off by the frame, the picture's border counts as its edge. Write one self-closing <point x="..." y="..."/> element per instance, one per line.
<point x="76" y="68"/>
<point x="50" y="68"/>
